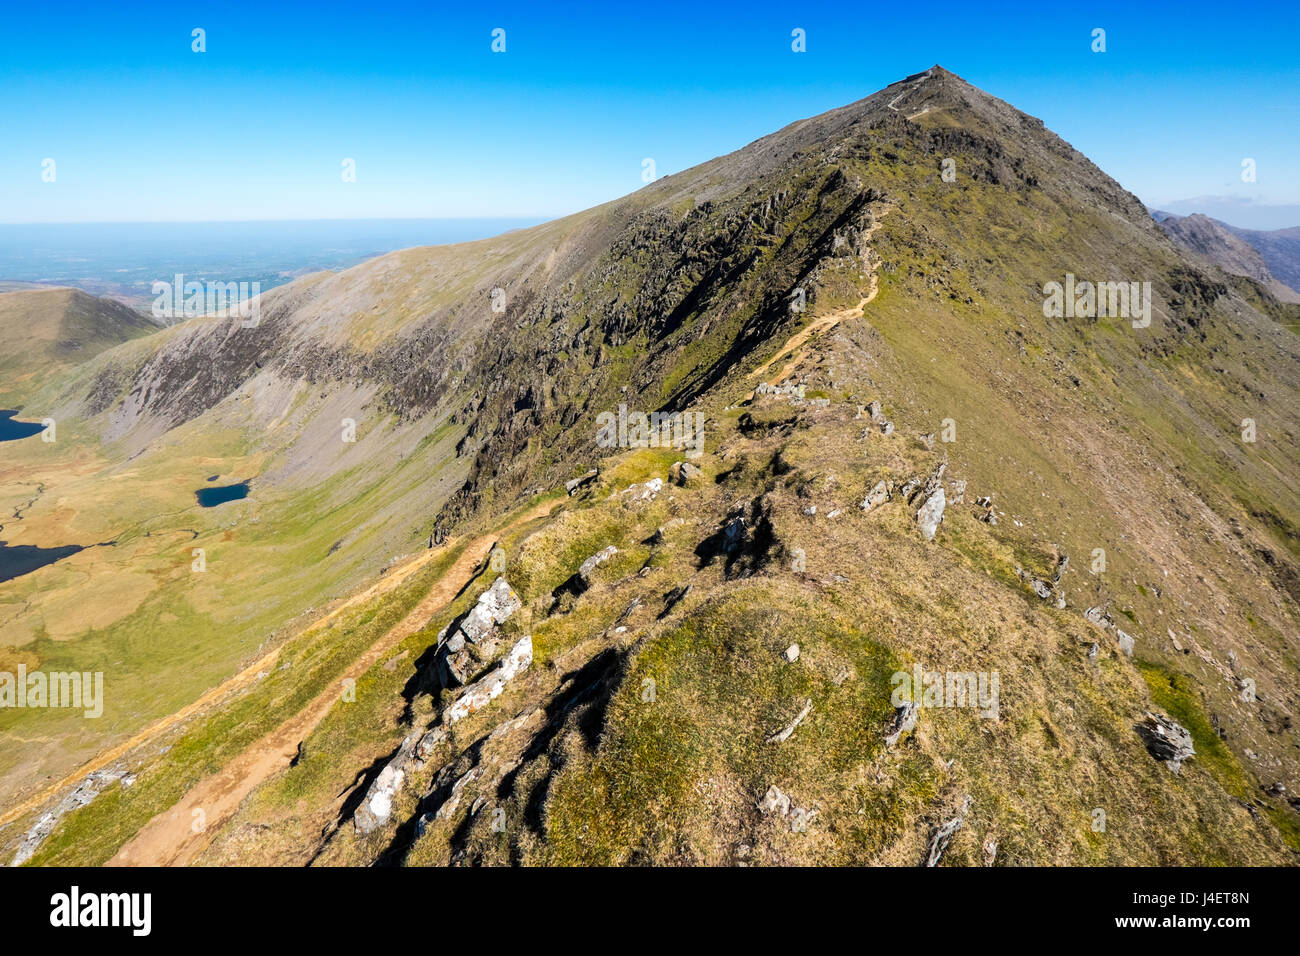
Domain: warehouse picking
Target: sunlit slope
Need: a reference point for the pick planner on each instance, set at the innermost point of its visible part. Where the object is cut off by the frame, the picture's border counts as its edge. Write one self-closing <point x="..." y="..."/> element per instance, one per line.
<point x="44" y="331"/>
<point x="1125" y="448"/>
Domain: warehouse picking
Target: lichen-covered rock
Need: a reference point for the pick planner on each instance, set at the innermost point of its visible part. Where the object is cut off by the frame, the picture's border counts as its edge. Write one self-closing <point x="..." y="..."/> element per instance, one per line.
<point x="645" y="491"/>
<point x="474" y="642"/>
<point x="774" y="801"/>
<point x="1166" y="740"/>
<point x="941" y="837"/>
<point x="488" y="688"/>
<point x="377" y="806"/>
<point x="81" y="796"/>
<point x="876" y="497"/>
<point x="494" y="606"/>
<point x="930" y="514"/>
<point x="1099" y="617"/>
<point x="589" y="566"/>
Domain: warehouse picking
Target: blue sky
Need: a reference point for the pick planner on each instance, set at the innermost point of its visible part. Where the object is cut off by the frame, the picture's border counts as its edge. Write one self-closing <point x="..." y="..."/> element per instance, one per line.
<point x="143" y="129"/>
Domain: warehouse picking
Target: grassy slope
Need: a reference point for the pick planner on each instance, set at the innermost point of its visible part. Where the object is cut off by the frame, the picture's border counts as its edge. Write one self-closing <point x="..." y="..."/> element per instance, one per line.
<point x="48" y="330"/>
<point x="675" y="779"/>
<point x="1087" y="434"/>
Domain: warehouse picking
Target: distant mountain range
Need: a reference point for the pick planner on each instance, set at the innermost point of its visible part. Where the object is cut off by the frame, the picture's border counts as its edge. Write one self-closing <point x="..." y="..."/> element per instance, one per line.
<point x="1271" y="257"/>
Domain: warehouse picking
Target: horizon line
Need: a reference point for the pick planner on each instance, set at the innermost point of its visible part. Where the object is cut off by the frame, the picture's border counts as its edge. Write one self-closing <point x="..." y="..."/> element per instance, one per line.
<point x="205" y="222"/>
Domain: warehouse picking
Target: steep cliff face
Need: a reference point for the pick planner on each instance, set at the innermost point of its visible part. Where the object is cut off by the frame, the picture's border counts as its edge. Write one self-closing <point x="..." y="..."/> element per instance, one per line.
<point x="915" y="459"/>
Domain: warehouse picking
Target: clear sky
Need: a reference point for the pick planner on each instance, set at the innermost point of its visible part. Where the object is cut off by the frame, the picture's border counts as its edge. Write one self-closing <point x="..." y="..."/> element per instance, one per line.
<point x="257" y="127"/>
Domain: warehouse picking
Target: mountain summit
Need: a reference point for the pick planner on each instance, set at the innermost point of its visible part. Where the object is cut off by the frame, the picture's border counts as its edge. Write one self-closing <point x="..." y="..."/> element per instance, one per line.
<point x="770" y="514"/>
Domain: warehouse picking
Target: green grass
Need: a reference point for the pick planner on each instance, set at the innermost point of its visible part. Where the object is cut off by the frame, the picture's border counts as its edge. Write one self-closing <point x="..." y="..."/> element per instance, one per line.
<point x="315" y="659"/>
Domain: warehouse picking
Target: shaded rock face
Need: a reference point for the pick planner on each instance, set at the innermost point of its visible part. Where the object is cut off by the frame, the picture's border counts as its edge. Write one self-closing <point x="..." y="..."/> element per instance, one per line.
<point x="745" y="540"/>
<point x="1166" y="740"/>
<point x="473" y="642"/>
<point x="574" y="485"/>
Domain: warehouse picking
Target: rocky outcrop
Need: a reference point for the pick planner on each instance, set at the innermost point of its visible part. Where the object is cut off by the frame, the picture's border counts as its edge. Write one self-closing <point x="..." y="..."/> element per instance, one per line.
<point x="645" y="491"/>
<point x="789" y="391"/>
<point x="473" y="642"/>
<point x="82" y="794"/>
<point x="683" y="473"/>
<point x="903" y="721"/>
<point x="489" y="688"/>
<point x="1166" y="740"/>
<point x="930" y="514"/>
<point x="877" y="496"/>
<point x="941" y="837"/>
<point x="574" y="485"/>
<point x="377" y="807"/>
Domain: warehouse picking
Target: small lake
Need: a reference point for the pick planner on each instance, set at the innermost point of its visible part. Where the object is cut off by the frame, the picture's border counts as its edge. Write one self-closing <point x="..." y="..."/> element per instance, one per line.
<point x="211" y="497"/>
<point x="11" y="430"/>
<point x="17" y="560"/>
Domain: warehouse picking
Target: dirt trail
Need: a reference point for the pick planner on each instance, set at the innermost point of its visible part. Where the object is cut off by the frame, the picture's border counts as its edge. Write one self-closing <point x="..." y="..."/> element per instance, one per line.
<point x="794" y="347"/>
<point x="240" y="680"/>
<point x="169" y="839"/>
<point x="237" y="682"/>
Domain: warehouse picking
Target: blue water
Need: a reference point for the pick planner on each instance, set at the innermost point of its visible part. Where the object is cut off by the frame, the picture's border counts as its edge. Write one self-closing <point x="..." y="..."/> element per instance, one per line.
<point x="127" y="258"/>
<point x="17" y="560"/>
<point x="211" y="497"/>
<point x="11" y="430"/>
